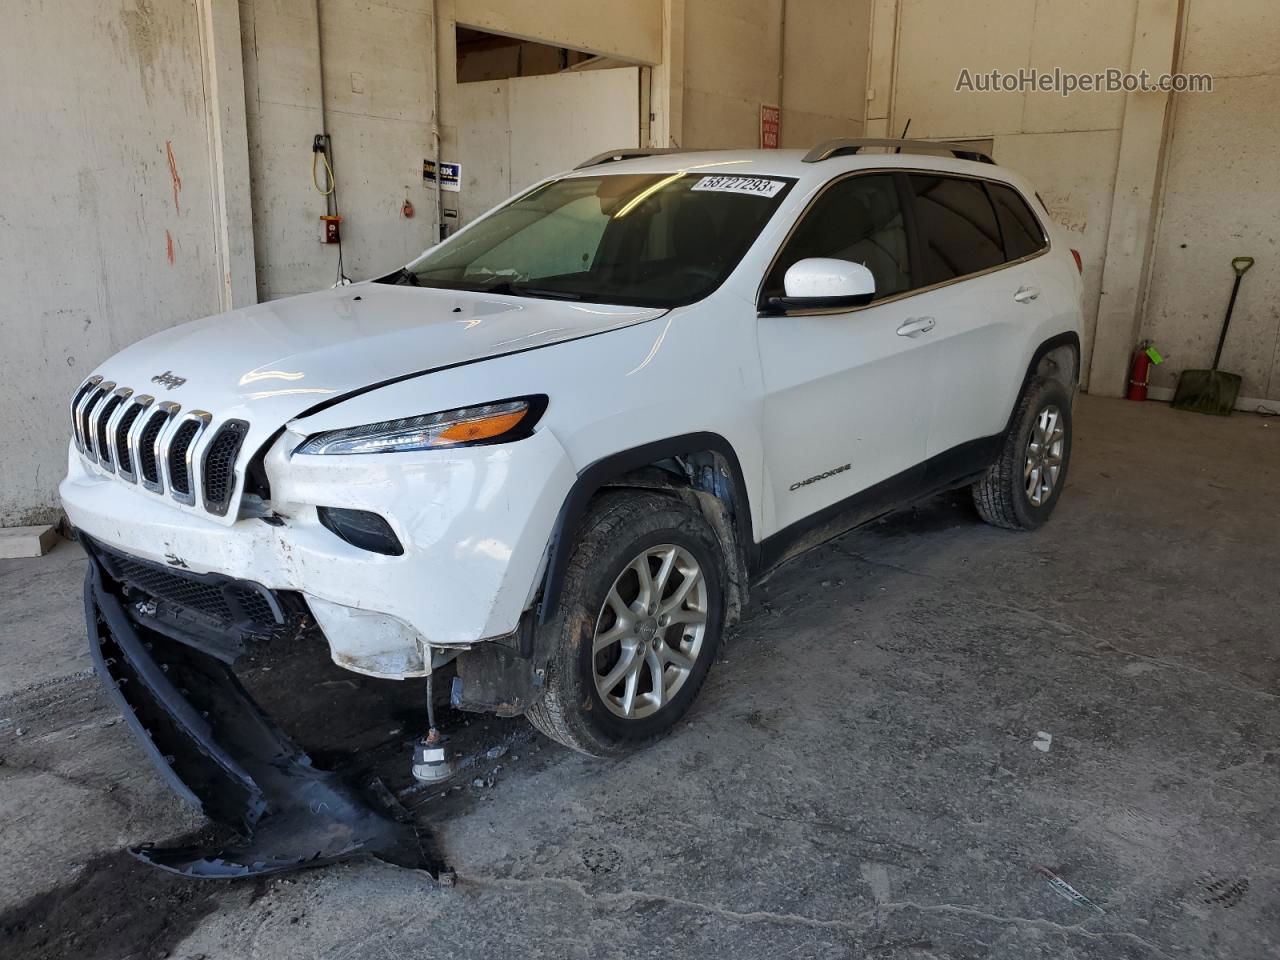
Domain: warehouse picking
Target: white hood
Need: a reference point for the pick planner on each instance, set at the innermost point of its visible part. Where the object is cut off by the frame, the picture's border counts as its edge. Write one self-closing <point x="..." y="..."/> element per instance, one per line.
<point x="268" y="363"/>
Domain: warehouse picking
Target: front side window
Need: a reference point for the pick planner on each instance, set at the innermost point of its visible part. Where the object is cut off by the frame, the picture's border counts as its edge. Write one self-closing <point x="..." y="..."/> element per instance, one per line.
<point x="656" y="240"/>
<point x="958" y="231"/>
<point x="857" y="219"/>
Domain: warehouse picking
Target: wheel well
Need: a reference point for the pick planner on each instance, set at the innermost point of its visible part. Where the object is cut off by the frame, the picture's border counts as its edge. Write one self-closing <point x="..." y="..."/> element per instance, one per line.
<point x="705" y="475"/>
<point x="1058" y="358"/>
<point x="704" y="481"/>
<point x="1061" y="363"/>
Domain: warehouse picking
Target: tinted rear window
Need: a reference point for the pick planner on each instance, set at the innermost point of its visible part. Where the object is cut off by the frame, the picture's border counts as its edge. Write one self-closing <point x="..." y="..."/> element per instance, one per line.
<point x="1023" y="234"/>
<point x="958" y="230"/>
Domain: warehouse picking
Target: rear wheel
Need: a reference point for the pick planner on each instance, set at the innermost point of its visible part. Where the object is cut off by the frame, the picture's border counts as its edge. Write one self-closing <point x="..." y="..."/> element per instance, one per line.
<point x="1020" y="490"/>
<point x="637" y="625"/>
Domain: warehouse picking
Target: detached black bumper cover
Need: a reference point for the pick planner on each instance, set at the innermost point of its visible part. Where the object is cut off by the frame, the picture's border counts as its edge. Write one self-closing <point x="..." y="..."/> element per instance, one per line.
<point x="222" y="754"/>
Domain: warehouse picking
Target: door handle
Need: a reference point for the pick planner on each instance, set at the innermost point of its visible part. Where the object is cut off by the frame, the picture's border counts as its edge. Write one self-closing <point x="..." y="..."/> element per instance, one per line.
<point x="917" y="326"/>
<point x="1026" y="294"/>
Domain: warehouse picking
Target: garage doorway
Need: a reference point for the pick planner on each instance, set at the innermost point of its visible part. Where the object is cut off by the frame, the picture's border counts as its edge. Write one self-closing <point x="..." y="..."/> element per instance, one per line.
<point x="528" y="110"/>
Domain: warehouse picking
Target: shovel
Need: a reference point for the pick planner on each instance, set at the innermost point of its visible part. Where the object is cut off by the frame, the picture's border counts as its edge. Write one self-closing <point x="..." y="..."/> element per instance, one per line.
<point x="1214" y="391"/>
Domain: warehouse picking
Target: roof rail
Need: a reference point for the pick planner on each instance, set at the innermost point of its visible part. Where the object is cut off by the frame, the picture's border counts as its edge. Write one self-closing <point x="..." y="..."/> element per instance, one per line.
<point x="627" y="153"/>
<point x="840" y="148"/>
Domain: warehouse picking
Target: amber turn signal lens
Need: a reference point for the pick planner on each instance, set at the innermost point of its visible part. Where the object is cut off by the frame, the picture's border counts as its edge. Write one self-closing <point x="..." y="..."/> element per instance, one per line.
<point x="469" y="431"/>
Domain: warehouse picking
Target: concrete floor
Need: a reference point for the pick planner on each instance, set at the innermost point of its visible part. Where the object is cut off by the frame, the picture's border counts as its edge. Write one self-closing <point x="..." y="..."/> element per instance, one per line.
<point x="859" y="779"/>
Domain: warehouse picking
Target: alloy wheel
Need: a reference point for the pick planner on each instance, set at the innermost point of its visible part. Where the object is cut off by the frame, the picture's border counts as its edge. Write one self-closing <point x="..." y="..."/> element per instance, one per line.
<point x="1044" y="455"/>
<point x="649" y="631"/>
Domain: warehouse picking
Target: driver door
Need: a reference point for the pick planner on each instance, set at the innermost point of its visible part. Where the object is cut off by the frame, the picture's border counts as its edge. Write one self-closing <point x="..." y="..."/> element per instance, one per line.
<point x="847" y="393"/>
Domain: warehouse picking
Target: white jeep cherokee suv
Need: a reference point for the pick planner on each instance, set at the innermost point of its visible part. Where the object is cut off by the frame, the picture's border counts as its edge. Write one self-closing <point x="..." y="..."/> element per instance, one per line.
<point x="555" y="450"/>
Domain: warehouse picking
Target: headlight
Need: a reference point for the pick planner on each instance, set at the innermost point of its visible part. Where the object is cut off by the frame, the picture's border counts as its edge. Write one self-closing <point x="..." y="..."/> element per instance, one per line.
<point x="465" y="427"/>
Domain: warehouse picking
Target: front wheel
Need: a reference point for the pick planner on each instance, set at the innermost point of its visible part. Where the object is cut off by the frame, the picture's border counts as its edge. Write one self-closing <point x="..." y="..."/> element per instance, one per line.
<point x="637" y="625"/>
<point x="1020" y="490"/>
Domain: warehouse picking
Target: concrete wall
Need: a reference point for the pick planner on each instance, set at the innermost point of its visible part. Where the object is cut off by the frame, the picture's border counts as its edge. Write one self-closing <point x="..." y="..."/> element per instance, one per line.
<point x="509" y="133"/>
<point x="1221" y="201"/>
<point x="378" y="87"/>
<point x="108" y="229"/>
<point x="626" y="29"/>
<point x="731" y="67"/>
<point x="740" y="54"/>
<point x="824" y="78"/>
<point x="378" y="90"/>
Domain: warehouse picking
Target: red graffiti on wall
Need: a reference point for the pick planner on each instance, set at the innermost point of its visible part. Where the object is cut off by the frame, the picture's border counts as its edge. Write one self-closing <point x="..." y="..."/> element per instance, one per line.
<point x="173" y="174"/>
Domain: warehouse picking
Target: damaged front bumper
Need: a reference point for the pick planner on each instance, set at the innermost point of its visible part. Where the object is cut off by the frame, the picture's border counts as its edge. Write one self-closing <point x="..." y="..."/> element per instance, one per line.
<point x="474" y="538"/>
<point x="219" y="750"/>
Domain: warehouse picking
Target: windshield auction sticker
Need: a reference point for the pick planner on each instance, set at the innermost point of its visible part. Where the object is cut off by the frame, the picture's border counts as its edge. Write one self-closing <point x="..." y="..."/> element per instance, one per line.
<point x="757" y="186"/>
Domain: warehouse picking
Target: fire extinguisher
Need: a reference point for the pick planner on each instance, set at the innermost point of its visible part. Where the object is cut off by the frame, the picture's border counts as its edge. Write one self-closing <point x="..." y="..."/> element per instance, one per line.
<point x="1144" y="358"/>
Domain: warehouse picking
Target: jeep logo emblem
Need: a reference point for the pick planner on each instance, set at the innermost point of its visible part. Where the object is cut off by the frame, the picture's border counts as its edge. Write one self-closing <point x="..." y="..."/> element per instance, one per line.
<point x="168" y="380"/>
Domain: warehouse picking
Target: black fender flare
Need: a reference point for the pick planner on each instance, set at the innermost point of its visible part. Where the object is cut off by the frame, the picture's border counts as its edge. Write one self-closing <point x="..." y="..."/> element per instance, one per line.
<point x="597" y="474"/>
<point x="1068" y="339"/>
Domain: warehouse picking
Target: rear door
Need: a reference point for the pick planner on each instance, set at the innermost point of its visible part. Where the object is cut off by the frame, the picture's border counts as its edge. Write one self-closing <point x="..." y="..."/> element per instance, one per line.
<point x="987" y="304"/>
<point x="847" y="395"/>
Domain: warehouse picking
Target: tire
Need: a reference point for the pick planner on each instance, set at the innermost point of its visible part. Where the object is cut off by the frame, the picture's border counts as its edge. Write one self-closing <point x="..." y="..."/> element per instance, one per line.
<point x="620" y="529"/>
<point x="1004" y="495"/>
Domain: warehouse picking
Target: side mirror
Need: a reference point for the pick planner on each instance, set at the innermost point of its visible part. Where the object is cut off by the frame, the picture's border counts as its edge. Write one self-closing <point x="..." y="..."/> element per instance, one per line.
<point x="824" y="283"/>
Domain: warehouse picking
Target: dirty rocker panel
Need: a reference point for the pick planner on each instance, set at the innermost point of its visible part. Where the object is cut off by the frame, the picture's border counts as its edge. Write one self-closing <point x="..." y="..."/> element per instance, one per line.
<point x="950" y="468"/>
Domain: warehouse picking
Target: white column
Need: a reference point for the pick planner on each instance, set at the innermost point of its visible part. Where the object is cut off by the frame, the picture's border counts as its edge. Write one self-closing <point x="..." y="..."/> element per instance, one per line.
<point x="228" y="151"/>
<point x="1142" y="143"/>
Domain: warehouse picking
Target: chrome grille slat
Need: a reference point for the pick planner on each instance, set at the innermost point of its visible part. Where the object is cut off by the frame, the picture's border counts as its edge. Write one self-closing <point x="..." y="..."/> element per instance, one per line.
<point x="92" y="411"/>
<point x="157" y="444"/>
<point x="107" y="416"/>
<point x="82" y="421"/>
<point x="151" y="452"/>
<point x="127" y="444"/>
<point x="77" y="400"/>
<point x="218" y="466"/>
<point x="179" y="444"/>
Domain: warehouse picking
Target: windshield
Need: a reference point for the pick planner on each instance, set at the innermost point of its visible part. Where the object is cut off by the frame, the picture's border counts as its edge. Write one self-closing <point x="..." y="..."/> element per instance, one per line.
<point x="657" y="240"/>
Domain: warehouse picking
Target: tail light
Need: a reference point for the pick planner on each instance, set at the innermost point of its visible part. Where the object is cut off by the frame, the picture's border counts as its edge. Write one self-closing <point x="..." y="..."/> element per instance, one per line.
<point x="1079" y="263"/>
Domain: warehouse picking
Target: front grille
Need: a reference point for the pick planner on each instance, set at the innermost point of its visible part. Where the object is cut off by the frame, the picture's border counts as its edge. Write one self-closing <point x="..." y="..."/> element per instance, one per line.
<point x="124" y="460"/>
<point x="158" y="445"/>
<point x="147" y="447"/>
<point x="179" y="477"/>
<point x="100" y="435"/>
<point x="219" y="466"/>
<point x="86" y="418"/>
<point x="222" y="602"/>
<point x="76" y="420"/>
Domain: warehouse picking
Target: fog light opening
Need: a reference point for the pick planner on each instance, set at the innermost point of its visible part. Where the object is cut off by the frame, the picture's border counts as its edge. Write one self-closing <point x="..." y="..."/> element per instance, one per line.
<point x="362" y="529"/>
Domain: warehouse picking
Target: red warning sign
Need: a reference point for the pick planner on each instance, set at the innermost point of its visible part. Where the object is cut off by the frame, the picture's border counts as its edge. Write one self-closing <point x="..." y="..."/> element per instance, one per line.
<point x="770" y="122"/>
